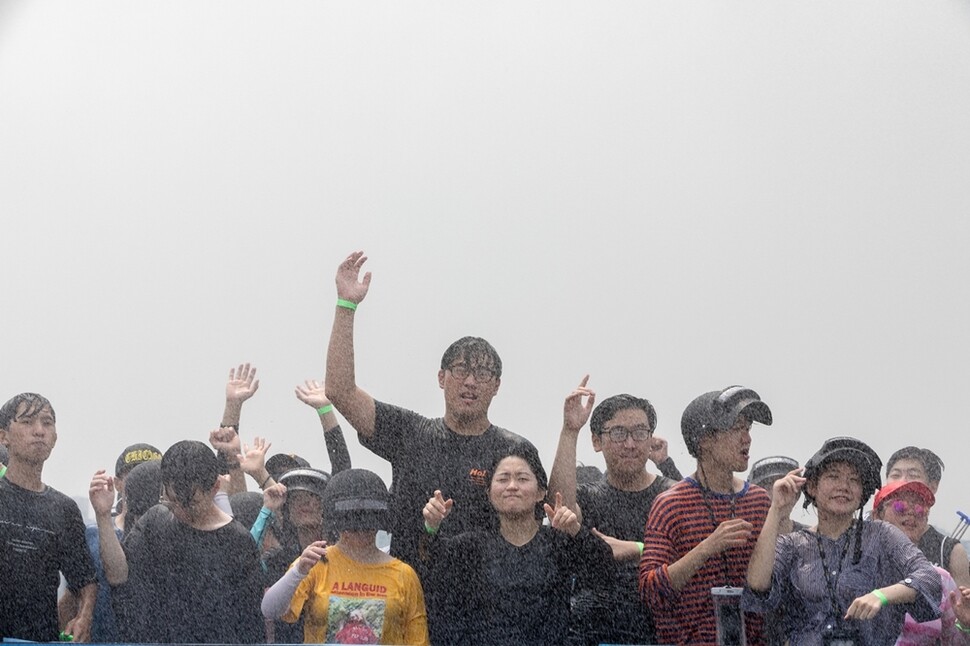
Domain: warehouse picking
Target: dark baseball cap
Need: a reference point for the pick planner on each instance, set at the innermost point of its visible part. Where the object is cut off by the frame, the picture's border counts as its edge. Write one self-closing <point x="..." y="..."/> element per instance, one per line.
<point x="280" y="463"/>
<point x="135" y="455"/>
<point x="767" y="470"/>
<point x="718" y="411"/>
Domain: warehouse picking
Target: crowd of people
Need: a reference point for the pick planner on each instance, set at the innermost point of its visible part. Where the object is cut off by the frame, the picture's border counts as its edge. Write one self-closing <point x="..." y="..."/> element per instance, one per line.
<point x="485" y="547"/>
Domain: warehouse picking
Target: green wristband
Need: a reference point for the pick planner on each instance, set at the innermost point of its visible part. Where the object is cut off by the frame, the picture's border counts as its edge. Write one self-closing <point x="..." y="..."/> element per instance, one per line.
<point x="323" y="410"/>
<point x="961" y="627"/>
<point x="350" y="305"/>
<point x="881" y="596"/>
<point x="431" y="530"/>
<point x="640" y="545"/>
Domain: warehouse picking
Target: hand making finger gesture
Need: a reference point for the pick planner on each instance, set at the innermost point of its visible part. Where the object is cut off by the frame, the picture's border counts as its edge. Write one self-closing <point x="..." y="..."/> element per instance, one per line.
<point x="575" y="412"/>
<point x="562" y="517"/>
<point x="436" y="510"/>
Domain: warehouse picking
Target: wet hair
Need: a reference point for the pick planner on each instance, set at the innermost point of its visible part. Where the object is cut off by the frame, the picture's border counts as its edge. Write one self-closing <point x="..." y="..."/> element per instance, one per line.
<point x="143" y="484"/>
<point x="473" y="350"/>
<point x="531" y="457"/>
<point x="187" y="467"/>
<point x="35" y="404"/>
<point x="609" y="407"/>
<point x="931" y="462"/>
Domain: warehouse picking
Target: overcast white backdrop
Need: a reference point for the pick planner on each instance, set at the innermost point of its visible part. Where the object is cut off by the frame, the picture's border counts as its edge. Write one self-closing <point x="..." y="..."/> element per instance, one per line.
<point x="671" y="196"/>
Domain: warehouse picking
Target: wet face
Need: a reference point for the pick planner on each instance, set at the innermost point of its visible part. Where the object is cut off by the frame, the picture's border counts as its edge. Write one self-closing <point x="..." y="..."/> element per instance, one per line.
<point x="469" y="388"/>
<point x="514" y="490"/>
<point x="729" y="449"/>
<point x="908" y="512"/>
<point x="908" y="469"/>
<point x="626" y="458"/>
<point x="838" y="490"/>
<point x="31" y="435"/>
<point x="304" y="508"/>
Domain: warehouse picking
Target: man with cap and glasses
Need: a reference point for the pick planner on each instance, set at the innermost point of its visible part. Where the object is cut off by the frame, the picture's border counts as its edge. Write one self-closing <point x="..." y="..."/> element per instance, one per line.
<point x="701" y="532"/>
<point x="452" y="453"/>
<point x="614" y="506"/>
<point x="41" y="532"/>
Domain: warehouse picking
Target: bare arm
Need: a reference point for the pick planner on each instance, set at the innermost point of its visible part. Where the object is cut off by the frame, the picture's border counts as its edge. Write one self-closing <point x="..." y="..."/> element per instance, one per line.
<point x="959" y="566"/>
<point x="353" y="403"/>
<point x="102" y="495"/>
<point x="575" y="413"/>
<point x="241" y="385"/>
<point x="80" y="626"/>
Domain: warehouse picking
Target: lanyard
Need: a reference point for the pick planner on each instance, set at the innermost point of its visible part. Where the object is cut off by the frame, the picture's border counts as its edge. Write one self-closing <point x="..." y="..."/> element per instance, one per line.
<point x="832" y="579"/>
<point x="710" y="511"/>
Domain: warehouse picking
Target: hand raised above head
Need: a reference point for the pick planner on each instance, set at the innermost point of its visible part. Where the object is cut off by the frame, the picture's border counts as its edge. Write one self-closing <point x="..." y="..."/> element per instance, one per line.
<point x="242" y="383"/>
<point x="313" y="393"/>
<point x="253" y="460"/>
<point x="349" y="287"/>
<point x="575" y="412"/>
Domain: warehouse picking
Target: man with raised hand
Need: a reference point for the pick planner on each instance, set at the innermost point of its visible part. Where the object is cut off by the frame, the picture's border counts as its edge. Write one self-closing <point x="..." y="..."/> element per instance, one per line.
<point x="615" y="506"/>
<point x="701" y="532"/>
<point x="41" y="532"/>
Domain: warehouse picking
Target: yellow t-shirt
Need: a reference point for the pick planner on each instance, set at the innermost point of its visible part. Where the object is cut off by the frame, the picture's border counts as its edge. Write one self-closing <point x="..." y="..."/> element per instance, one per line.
<point x="360" y="603"/>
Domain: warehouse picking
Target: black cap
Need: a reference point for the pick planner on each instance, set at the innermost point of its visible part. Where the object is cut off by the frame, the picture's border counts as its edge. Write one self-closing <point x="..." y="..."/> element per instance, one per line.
<point x="718" y="411"/>
<point x="766" y="470"/>
<point x="280" y="463"/>
<point x="135" y="455"/>
<point x="855" y="452"/>
<point x="312" y="480"/>
<point x="356" y="499"/>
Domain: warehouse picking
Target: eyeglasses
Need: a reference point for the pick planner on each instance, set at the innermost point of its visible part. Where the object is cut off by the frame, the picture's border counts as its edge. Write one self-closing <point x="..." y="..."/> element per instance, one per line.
<point x="481" y="373"/>
<point x="620" y="433"/>
<point x="903" y="507"/>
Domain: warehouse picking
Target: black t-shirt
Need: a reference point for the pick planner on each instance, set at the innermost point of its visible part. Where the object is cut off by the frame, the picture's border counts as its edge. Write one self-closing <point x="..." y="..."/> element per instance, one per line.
<point x="41" y="535"/>
<point x="616" y="615"/>
<point x="936" y="547"/>
<point x="498" y="593"/>
<point x="426" y="455"/>
<point x="190" y="586"/>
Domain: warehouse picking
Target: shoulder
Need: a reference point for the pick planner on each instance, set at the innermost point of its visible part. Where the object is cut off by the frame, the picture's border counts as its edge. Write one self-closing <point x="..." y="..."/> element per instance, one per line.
<point x="508" y="438"/>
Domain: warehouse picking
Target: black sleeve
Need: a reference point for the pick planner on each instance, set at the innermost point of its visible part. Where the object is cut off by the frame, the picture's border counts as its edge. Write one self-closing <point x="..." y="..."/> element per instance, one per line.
<point x="589" y="558"/>
<point x="392" y="424"/>
<point x="669" y="469"/>
<point x="133" y="600"/>
<point x="75" y="560"/>
<point x="337" y="450"/>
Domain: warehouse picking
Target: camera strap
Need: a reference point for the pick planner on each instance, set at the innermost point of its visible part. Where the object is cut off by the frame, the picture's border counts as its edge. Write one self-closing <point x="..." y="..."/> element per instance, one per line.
<point x="832" y="575"/>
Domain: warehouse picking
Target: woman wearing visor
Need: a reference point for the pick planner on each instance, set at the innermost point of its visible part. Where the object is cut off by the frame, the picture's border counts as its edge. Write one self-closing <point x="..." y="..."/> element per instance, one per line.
<point x="846" y="580"/>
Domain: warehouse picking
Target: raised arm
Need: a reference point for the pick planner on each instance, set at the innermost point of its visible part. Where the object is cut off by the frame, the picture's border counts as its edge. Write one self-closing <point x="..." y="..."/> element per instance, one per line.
<point x="102" y="495"/>
<point x="762" y="564"/>
<point x="663" y="461"/>
<point x="241" y="385"/>
<point x="575" y="414"/>
<point x="314" y="395"/>
<point x="354" y="404"/>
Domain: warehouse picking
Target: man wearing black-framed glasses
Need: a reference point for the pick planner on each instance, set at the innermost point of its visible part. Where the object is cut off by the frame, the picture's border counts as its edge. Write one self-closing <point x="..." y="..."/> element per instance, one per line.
<point x="615" y="506"/>
<point x="452" y="453"/>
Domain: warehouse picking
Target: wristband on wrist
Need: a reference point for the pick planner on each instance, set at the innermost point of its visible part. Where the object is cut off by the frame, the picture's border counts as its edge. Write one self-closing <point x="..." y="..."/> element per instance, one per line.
<point x="961" y="627"/>
<point x="234" y="427"/>
<point x="263" y="484"/>
<point x="323" y="410"/>
<point x="350" y="305"/>
<point x="879" y="594"/>
<point x="428" y="528"/>
<point x="640" y="545"/>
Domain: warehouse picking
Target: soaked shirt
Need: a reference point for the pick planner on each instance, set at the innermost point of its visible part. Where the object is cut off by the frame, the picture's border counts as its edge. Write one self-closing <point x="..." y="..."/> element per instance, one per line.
<point x="799" y="583"/>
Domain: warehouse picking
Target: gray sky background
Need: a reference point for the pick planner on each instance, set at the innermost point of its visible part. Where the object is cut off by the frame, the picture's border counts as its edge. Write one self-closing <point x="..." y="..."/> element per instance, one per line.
<point x="671" y="196"/>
